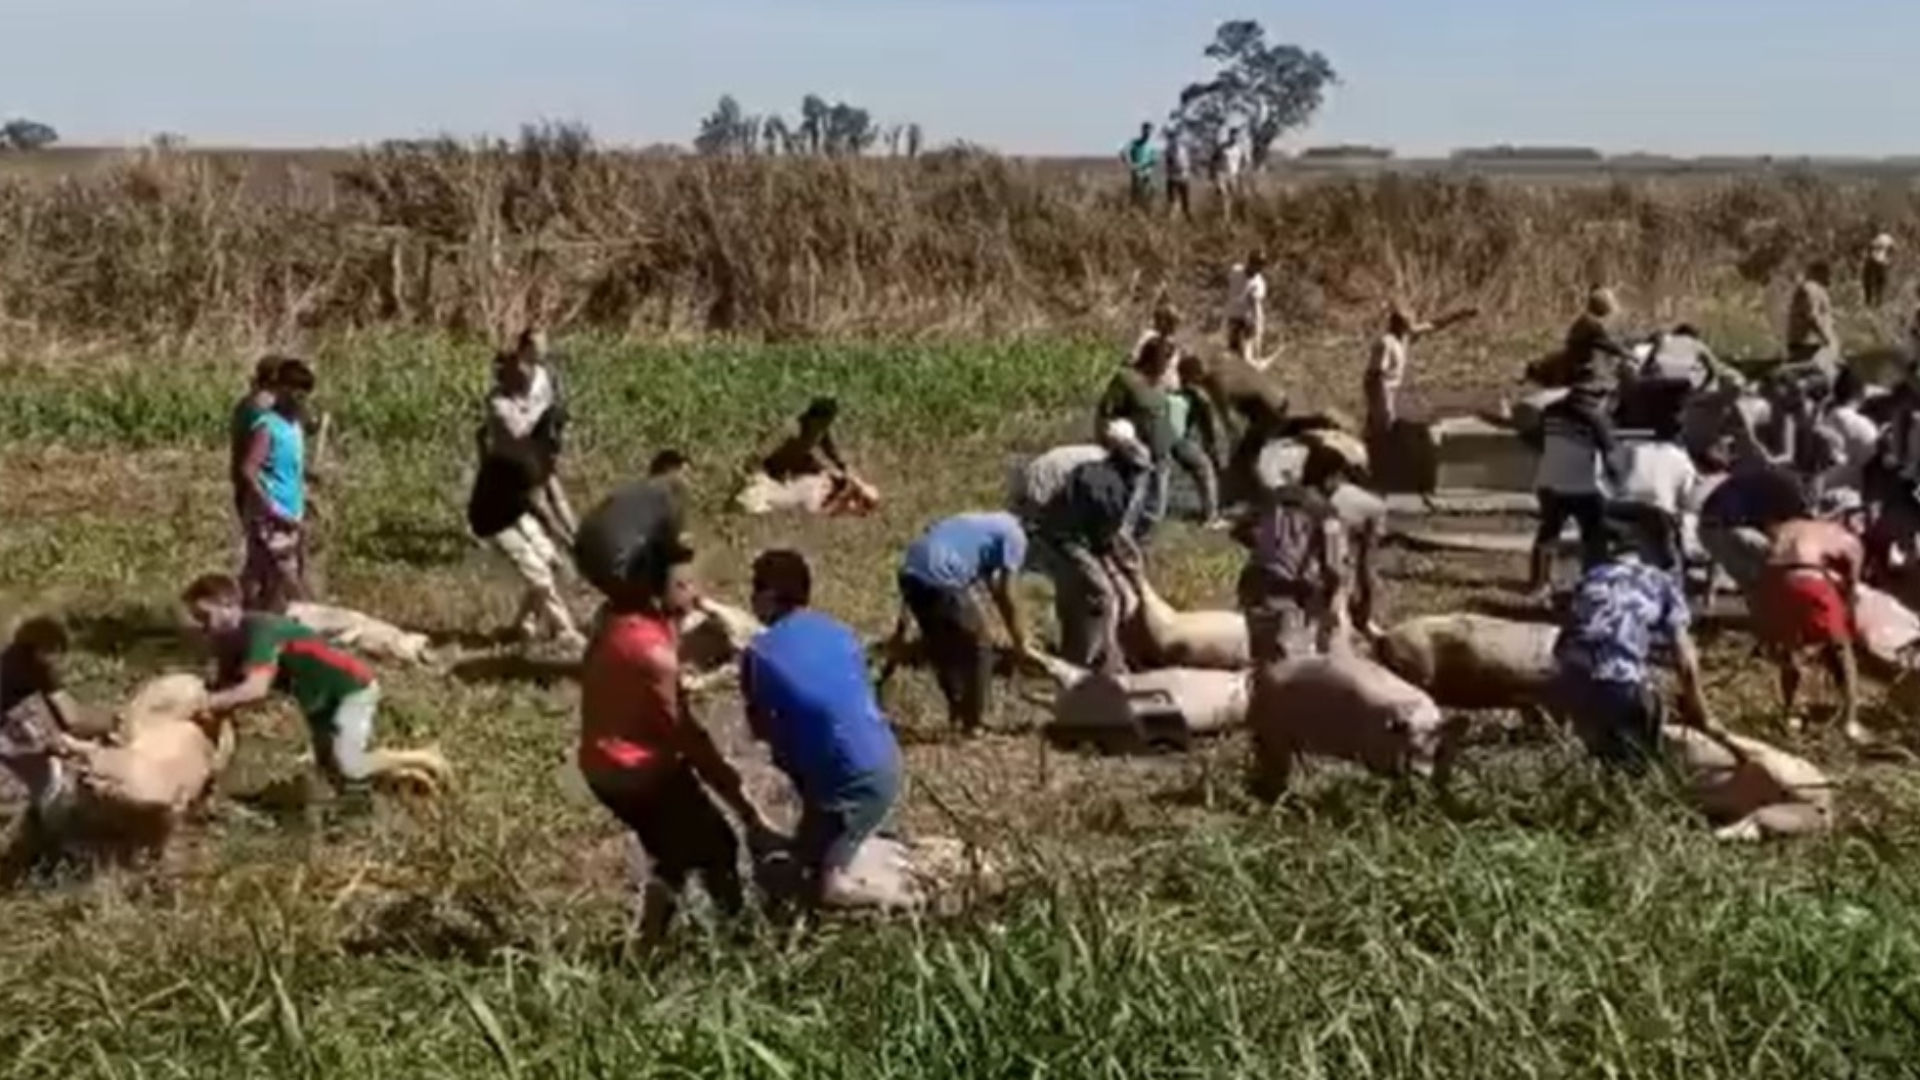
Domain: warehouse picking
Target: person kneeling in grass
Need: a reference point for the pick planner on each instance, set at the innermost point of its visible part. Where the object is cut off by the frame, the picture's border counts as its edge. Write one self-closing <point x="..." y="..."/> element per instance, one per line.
<point x="938" y="579"/>
<point x="643" y="754"/>
<point x="805" y="683"/>
<point x="336" y="691"/>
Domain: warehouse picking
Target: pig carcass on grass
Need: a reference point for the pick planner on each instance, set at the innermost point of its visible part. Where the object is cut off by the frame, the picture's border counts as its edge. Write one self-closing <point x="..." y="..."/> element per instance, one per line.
<point x="1142" y="711"/>
<point x="1749" y="789"/>
<point x="1348" y="707"/>
<point x="363" y="633"/>
<point x="130" y="794"/>
<point x="1473" y="662"/>
<point x="889" y="875"/>
<point x="1170" y="638"/>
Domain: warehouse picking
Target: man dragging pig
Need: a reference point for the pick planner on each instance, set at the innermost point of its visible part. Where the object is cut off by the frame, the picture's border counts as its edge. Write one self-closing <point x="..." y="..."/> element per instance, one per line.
<point x="261" y="652"/>
<point x="939" y="579"/>
<point x="808" y="698"/>
<point x="1623" y="606"/>
<point x="1805" y="601"/>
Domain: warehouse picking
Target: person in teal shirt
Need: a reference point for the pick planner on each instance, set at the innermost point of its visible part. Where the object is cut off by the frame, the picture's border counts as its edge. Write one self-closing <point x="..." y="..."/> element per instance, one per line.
<point x="1141" y="159"/>
<point x="274" y="495"/>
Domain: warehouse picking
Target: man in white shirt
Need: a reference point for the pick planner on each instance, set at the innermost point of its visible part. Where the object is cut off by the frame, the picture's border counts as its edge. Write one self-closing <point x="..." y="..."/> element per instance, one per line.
<point x="1229" y="165"/>
<point x="1247" y="302"/>
<point x="1660" y="473"/>
<point x="1854" y="440"/>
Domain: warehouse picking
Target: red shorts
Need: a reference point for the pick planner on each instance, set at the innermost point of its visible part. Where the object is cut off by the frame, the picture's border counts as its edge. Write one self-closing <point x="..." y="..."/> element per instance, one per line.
<point x="1799" y="608"/>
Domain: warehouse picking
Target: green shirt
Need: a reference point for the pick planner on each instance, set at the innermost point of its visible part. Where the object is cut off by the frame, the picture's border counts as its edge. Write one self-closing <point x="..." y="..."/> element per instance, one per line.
<point x="305" y="665"/>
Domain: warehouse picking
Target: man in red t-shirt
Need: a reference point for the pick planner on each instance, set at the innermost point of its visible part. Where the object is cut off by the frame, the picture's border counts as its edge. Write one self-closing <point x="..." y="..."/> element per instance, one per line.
<point x="644" y="755"/>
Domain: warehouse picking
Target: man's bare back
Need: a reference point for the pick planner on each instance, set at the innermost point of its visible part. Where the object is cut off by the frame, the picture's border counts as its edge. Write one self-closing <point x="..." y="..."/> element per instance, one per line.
<point x="1809" y="544"/>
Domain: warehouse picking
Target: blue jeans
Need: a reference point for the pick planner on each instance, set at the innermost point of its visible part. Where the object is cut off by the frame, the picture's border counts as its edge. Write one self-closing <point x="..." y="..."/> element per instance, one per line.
<point x="833" y="827"/>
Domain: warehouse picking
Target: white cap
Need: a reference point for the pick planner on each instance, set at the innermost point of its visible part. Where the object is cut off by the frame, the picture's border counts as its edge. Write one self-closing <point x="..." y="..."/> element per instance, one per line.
<point x="1120" y="437"/>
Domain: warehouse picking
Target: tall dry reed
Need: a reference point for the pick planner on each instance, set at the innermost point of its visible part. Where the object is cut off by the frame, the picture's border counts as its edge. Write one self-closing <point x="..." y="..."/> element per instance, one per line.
<point x="481" y="238"/>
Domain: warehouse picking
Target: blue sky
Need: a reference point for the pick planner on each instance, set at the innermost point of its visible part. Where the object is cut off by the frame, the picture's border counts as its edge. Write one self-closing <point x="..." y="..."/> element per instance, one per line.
<point x="1030" y="76"/>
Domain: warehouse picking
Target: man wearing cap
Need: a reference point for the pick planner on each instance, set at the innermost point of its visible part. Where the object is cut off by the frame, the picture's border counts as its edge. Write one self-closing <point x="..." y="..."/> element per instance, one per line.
<point x="1293" y="588"/>
<point x="1622" y="609"/>
<point x="1080" y="540"/>
<point x="1035" y="482"/>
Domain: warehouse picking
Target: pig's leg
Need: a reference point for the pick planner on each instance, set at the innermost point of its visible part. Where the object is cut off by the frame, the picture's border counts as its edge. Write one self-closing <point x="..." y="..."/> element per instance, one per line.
<point x="1273" y="758"/>
<point x="1781" y="819"/>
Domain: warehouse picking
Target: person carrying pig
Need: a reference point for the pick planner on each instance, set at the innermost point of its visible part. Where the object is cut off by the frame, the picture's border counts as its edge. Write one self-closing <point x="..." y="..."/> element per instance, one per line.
<point x="939" y="579"/>
<point x="515" y="464"/>
<point x="1623" y="607"/>
<point x="1236" y="388"/>
<point x="1293" y="588"/>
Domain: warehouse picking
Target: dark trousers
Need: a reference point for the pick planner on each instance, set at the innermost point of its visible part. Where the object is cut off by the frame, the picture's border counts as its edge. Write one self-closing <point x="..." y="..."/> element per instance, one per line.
<point x="1618" y="722"/>
<point x="682" y="832"/>
<point x="1556" y="509"/>
<point x="958" y="647"/>
<point x="1873" y="282"/>
<point x="1180" y="197"/>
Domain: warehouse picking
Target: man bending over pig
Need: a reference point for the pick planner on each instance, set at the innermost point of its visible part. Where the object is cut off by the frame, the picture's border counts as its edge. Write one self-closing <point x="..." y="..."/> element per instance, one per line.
<point x="1623" y="607"/>
<point x="336" y="692"/>
<point x="939" y="579"/>
<point x="808" y="698"/>
<point x="1293" y="587"/>
<point x="1805" y="601"/>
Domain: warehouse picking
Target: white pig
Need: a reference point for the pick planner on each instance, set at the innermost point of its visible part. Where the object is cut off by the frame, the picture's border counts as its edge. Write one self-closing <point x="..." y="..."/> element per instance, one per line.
<point x="1348" y="707"/>
<point x="1473" y="661"/>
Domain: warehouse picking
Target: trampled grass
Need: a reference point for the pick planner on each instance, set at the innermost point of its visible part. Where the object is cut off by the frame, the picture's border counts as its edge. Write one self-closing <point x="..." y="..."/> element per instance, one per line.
<point x="1158" y="925"/>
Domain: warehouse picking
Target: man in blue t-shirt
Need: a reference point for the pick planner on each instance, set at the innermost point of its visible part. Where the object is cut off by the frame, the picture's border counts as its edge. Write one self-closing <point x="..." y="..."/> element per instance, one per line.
<point x="938" y="579"/>
<point x="273" y="495"/>
<point x="808" y="698"/>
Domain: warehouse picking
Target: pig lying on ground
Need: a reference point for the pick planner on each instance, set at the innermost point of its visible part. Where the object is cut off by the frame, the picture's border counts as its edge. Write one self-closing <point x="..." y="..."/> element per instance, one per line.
<point x="815" y="494"/>
<point x="128" y="796"/>
<point x="1472" y="661"/>
<point x="712" y="637"/>
<point x="893" y="875"/>
<point x="363" y="633"/>
<point x="1170" y="638"/>
<point x="1750" y="790"/>
<point x="1348" y="707"/>
<point x="1142" y="710"/>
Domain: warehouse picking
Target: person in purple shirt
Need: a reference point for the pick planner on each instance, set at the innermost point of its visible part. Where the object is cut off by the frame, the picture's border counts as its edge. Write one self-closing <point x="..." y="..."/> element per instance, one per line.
<point x="808" y="698"/>
<point x="938" y="579"/>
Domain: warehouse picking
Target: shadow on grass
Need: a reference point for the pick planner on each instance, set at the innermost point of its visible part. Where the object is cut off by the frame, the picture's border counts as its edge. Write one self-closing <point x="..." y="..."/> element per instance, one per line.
<point x="515" y="668"/>
<point x="145" y="636"/>
<point x="462" y="927"/>
<point x="409" y="543"/>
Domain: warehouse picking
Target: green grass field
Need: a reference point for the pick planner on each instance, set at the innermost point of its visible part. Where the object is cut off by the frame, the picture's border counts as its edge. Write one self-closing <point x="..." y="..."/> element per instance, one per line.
<point x="1157" y="926"/>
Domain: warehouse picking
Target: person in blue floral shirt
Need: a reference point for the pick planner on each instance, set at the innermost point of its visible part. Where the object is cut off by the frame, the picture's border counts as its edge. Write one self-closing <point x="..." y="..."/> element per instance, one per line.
<point x="1623" y="610"/>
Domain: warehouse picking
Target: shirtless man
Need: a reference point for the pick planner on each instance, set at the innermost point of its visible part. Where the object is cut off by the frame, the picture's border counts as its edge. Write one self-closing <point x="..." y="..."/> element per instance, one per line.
<point x="1805" y="601"/>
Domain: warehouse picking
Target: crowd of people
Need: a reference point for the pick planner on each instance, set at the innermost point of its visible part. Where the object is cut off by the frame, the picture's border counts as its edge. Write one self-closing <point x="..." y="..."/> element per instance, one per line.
<point x="1799" y="487"/>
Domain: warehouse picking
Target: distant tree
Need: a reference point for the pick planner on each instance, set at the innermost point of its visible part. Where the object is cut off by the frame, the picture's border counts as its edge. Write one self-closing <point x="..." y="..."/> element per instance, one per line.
<point x="849" y="130"/>
<point x="1264" y="89"/>
<point x="813" y="123"/>
<point x="169" y="141"/>
<point x="728" y="130"/>
<point x="22" y="134"/>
